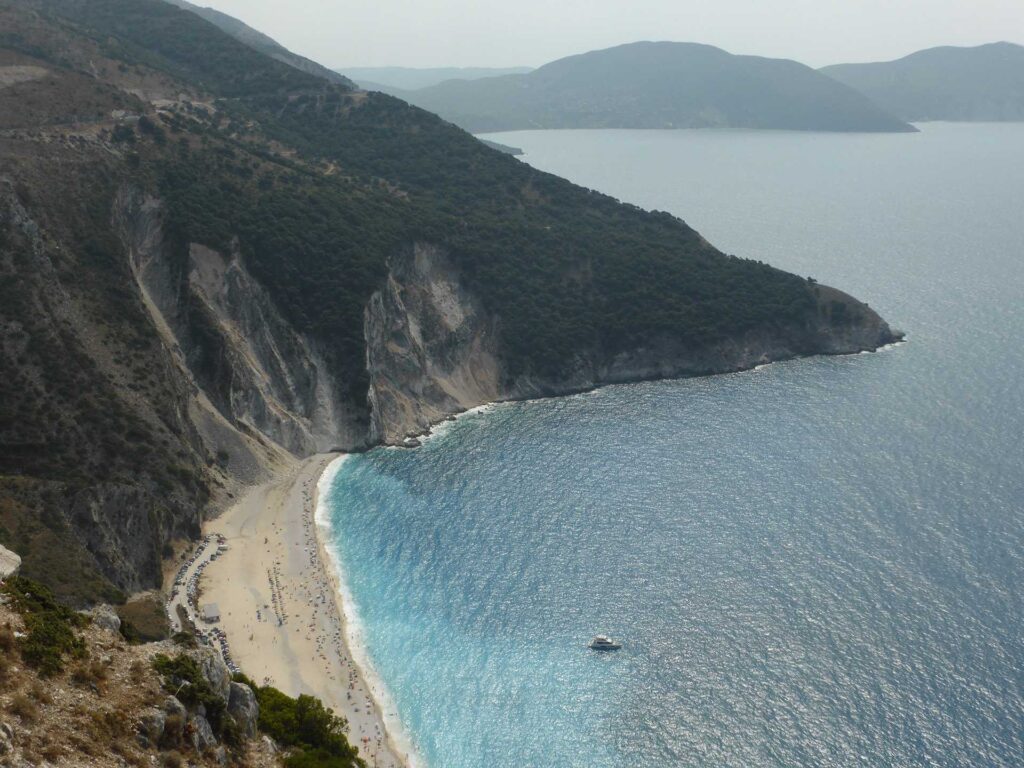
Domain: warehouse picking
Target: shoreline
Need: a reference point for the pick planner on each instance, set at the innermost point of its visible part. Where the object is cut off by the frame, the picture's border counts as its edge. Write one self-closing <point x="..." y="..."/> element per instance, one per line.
<point x="416" y="439"/>
<point x="281" y="608"/>
<point x="397" y="737"/>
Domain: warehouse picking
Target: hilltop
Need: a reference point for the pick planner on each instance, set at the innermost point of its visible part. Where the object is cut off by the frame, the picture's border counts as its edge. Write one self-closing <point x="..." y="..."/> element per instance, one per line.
<point x="657" y="85"/>
<point x="948" y="83"/>
<point x="260" y="42"/>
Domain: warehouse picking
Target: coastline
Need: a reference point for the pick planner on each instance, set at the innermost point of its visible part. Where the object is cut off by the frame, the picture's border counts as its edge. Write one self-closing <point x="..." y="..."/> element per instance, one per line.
<point x="397" y="737"/>
<point x="281" y="607"/>
<point x="434" y="429"/>
<point x="416" y="438"/>
<point x="317" y="648"/>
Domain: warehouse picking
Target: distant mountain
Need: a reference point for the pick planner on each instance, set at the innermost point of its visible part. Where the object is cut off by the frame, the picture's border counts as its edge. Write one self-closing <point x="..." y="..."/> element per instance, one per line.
<point x="982" y="83"/>
<point x="412" y="78"/>
<point x="658" y="85"/>
<point x="260" y="42"/>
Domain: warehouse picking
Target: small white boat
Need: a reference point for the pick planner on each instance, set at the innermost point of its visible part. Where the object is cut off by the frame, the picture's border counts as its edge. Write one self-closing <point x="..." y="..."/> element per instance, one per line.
<point x="603" y="643"/>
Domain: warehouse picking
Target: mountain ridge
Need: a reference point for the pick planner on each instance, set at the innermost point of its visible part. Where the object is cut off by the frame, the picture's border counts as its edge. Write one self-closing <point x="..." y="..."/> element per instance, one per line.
<point x="658" y="85"/>
<point x="977" y="83"/>
<point x="261" y="42"/>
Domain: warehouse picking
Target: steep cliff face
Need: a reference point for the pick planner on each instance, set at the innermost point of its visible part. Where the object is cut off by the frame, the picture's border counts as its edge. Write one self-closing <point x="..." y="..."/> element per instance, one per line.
<point x="100" y="464"/>
<point x="433" y="350"/>
<point x="263" y="376"/>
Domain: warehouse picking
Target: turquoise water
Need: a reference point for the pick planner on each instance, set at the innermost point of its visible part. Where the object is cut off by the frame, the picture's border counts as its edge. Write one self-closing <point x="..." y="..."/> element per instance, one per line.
<point x="818" y="563"/>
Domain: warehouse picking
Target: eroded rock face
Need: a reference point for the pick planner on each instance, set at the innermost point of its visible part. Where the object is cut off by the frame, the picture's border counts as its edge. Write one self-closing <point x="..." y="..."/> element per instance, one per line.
<point x="201" y="733"/>
<point x="431" y="349"/>
<point x="259" y="372"/>
<point x="106" y="618"/>
<point x="244" y="708"/>
<point x="267" y="374"/>
<point x="215" y="671"/>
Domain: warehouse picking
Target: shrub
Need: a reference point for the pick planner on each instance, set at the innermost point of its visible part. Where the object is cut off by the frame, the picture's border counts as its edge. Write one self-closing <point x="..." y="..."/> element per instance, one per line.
<point x="305" y="723"/>
<point x="184" y="639"/>
<point x="92" y="675"/>
<point x="50" y="626"/>
<point x="22" y="706"/>
<point x="7" y="639"/>
<point x="137" y="671"/>
<point x="52" y="752"/>
<point x="174" y="726"/>
<point x="39" y="692"/>
<point x="123" y="134"/>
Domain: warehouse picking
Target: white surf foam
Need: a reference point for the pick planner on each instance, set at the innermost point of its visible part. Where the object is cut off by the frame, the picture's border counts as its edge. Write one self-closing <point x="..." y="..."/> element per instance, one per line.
<point x="354" y="632"/>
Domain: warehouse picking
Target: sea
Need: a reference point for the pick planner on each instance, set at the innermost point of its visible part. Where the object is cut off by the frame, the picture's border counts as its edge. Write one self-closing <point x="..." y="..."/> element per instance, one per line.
<point x="815" y="563"/>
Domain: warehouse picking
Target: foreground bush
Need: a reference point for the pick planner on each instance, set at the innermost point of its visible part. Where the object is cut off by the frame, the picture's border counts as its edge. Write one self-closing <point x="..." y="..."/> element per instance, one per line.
<point x="50" y="627"/>
<point x="305" y="724"/>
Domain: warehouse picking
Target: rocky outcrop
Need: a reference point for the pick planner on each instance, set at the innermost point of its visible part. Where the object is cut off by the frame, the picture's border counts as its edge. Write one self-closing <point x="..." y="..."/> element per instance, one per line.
<point x="215" y="671"/>
<point x="106" y="618"/>
<point x="266" y="375"/>
<point x="151" y="727"/>
<point x="433" y="350"/>
<point x="10" y="563"/>
<point x="201" y="733"/>
<point x="175" y="723"/>
<point x="242" y="706"/>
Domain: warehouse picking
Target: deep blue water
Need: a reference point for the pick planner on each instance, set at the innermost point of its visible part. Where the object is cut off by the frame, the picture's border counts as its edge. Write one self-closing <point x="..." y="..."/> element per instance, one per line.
<point x="818" y="563"/>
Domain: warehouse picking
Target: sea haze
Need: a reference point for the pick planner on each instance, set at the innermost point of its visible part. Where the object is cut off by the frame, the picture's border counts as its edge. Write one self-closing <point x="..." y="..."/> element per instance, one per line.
<point x="818" y="563"/>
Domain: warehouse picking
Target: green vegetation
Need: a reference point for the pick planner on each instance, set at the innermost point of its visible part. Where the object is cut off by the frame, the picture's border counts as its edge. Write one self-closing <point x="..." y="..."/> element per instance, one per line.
<point x="156" y="34"/>
<point x="305" y="724"/>
<point x="317" y="187"/>
<point x="50" y="627"/>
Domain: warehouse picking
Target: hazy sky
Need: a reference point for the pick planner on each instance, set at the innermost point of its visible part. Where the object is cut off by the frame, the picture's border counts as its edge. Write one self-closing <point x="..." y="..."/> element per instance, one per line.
<point x="428" y="33"/>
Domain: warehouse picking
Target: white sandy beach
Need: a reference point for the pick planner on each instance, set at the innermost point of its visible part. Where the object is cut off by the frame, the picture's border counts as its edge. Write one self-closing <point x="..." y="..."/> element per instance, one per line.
<point x="279" y="605"/>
